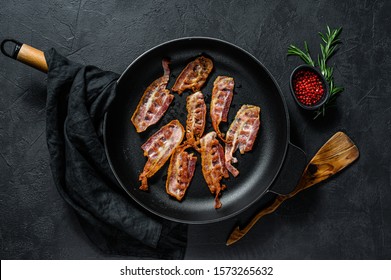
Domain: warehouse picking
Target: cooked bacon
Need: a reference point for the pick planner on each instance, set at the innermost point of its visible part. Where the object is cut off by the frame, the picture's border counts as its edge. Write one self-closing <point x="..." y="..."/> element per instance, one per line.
<point x="159" y="148"/>
<point x="222" y="93"/>
<point x="241" y="134"/>
<point x="213" y="167"/>
<point x="194" y="75"/>
<point x="196" y="115"/>
<point x="154" y="102"/>
<point x="180" y="172"/>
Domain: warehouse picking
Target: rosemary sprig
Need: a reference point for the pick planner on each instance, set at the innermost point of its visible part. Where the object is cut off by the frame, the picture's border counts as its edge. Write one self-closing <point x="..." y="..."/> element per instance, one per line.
<point x="328" y="48"/>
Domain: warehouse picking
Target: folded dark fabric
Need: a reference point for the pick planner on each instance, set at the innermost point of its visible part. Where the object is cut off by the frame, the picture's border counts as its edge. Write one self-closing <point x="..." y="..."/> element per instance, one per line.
<point x="78" y="97"/>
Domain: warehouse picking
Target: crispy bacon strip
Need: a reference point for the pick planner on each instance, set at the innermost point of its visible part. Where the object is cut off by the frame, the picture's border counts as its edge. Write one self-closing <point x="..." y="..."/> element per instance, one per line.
<point x="159" y="148"/>
<point x="154" y="102"/>
<point x="180" y="172"/>
<point x="194" y="75"/>
<point x="241" y="134"/>
<point x="196" y="115"/>
<point x="222" y="94"/>
<point x="213" y="167"/>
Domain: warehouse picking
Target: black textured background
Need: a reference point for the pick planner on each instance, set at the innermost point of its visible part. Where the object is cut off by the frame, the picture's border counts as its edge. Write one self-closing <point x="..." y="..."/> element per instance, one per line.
<point x="348" y="217"/>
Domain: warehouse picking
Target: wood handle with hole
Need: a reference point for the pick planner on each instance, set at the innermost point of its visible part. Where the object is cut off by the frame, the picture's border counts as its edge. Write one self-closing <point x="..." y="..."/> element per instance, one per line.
<point x="26" y="54"/>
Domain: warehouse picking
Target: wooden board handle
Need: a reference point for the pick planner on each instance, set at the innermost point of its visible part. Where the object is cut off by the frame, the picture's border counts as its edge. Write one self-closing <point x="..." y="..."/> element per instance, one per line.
<point x="26" y="54"/>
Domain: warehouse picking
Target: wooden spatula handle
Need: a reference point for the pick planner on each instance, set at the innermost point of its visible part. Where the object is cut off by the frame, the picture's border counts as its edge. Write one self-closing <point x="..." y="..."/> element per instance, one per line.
<point x="238" y="233"/>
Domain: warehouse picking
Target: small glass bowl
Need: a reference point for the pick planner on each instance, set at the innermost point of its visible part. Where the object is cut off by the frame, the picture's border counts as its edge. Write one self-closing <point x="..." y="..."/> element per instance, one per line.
<point x="326" y="93"/>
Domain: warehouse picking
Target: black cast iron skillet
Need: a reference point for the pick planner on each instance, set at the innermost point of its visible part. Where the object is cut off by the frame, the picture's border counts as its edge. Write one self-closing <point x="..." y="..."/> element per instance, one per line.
<point x="253" y="85"/>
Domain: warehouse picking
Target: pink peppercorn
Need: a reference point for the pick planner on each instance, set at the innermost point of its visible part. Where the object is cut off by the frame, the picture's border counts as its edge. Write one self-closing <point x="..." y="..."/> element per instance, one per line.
<point x="308" y="87"/>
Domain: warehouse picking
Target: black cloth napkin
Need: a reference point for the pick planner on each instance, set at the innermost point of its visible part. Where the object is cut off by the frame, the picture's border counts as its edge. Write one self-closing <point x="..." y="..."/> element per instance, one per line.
<point x="78" y="97"/>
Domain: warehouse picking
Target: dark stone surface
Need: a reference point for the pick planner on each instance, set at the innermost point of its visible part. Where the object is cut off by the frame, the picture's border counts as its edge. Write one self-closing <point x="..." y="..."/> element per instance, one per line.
<point x="347" y="217"/>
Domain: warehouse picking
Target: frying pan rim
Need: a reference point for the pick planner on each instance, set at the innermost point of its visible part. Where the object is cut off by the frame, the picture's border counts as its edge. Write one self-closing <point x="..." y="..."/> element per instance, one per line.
<point x="225" y="217"/>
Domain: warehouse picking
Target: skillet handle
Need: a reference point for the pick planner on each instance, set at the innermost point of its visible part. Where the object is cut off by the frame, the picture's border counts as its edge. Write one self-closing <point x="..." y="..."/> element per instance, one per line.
<point x="291" y="170"/>
<point x="25" y="54"/>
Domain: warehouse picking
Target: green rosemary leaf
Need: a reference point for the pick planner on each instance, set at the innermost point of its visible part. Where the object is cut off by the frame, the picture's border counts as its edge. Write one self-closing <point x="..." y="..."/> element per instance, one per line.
<point x="306" y="47"/>
<point x="322" y="50"/>
<point x="338" y="32"/>
<point x="322" y="37"/>
<point x="329" y="72"/>
<point x="331" y="85"/>
<point x="305" y="56"/>
<point x="337" y="90"/>
<point x="331" y="52"/>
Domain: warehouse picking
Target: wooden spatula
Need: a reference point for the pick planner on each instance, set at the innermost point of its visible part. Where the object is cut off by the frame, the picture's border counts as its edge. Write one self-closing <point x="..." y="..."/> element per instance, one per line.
<point x="336" y="154"/>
